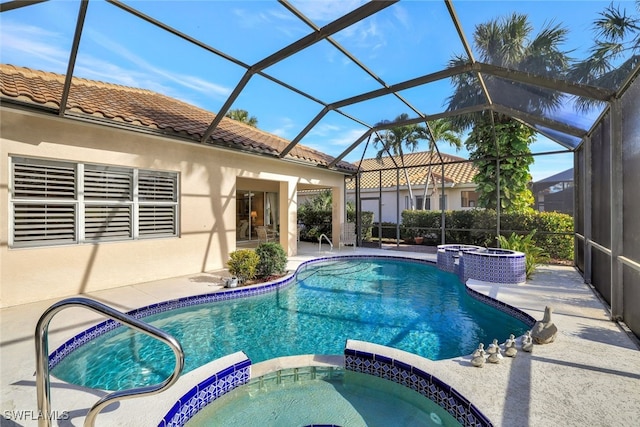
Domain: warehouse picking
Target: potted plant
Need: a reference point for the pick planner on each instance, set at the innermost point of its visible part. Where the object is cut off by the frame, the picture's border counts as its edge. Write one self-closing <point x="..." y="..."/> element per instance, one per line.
<point x="419" y="238"/>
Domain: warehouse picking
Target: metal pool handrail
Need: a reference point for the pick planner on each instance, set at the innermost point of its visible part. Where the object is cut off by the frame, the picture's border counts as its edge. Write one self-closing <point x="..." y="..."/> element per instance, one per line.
<point x="320" y="242"/>
<point x="42" y="358"/>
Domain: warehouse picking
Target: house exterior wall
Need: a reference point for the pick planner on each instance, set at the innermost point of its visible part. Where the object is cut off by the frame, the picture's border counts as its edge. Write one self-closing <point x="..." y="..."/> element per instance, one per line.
<point x="392" y="209"/>
<point x="207" y="183"/>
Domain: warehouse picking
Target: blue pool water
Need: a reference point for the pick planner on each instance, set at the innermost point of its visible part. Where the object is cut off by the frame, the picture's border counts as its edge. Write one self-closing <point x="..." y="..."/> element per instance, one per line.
<point x="322" y="396"/>
<point x="407" y="305"/>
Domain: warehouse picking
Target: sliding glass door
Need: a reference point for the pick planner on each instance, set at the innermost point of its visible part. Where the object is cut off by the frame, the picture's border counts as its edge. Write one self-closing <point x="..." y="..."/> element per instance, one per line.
<point x="255" y="209"/>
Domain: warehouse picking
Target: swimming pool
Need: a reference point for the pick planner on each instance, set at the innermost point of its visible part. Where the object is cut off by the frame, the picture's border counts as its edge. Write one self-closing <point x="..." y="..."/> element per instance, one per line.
<point x="322" y="396"/>
<point x="399" y="303"/>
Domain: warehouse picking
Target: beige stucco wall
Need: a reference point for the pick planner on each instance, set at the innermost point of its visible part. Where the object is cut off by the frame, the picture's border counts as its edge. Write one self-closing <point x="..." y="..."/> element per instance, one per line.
<point x="208" y="178"/>
<point x="391" y="210"/>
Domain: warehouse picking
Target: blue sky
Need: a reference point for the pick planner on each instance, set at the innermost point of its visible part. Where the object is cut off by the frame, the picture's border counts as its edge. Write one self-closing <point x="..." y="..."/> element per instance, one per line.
<point x="404" y="41"/>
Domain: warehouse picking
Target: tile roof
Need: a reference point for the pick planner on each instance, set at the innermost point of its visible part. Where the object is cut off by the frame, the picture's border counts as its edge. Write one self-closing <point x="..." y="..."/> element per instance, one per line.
<point x="145" y="108"/>
<point x="456" y="170"/>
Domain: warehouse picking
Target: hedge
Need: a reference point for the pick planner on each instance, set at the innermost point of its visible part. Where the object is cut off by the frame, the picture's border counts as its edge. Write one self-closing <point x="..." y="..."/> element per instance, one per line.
<point x="482" y="223"/>
<point x="318" y="222"/>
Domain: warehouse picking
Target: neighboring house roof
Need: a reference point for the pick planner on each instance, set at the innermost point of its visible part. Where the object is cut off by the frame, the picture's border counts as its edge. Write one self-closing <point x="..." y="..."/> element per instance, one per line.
<point x="564" y="176"/>
<point x="147" y="109"/>
<point x="456" y="170"/>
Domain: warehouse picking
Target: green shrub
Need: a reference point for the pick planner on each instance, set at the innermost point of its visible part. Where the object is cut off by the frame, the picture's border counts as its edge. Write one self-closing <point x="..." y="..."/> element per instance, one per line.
<point x="534" y="255"/>
<point x="366" y="225"/>
<point x="243" y="263"/>
<point x="559" y="246"/>
<point x="273" y="259"/>
<point x="554" y="230"/>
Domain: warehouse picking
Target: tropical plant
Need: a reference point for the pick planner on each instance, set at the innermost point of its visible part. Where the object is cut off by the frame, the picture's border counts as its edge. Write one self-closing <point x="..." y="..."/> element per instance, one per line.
<point x="438" y="130"/>
<point x="534" y="255"/>
<point x="509" y="43"/>
<point x="514" y="177"/>
<point x="242" y="116"/>
<point x="316" y="215"/>
<point x="243" y="264"/>
<point x="392" y="139"/>
<point x="273" y="260"/>
<point x="615" y="52"/>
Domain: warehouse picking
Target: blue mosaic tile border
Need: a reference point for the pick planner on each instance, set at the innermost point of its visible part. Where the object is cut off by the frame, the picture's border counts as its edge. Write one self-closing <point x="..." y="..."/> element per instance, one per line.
<point x="447" y="255"/>
<point x="495" y="268"/>
<point x="488" y="265"/>
<point x="502" y="306"/>
<point x="206" y="392"/>
<point x="420" y="381"/>
<point x="94" y="332"/>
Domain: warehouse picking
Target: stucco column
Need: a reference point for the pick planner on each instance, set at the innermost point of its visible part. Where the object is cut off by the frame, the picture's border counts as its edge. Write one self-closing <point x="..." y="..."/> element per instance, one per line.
<point x="338" y="216"/>
<point x="288" y="202"/>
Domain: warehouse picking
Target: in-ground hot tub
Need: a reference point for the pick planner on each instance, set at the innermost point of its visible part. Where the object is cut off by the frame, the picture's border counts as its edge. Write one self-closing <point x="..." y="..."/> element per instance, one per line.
<point x="448" y="255"/>
<point x="483" y="264"/>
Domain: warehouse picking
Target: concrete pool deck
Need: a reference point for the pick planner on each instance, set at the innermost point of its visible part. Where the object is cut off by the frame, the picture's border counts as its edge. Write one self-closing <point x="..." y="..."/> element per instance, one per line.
<point x="590" y="375"/>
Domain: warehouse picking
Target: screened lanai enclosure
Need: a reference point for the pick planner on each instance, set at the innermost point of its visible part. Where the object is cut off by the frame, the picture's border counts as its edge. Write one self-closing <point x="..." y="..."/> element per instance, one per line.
<point x="340" y="76"/>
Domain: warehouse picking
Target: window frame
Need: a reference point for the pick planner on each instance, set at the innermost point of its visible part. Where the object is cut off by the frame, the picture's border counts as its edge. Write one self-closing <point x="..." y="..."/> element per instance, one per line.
<point x="465" y="202"/>
<point x="116" y="213"/>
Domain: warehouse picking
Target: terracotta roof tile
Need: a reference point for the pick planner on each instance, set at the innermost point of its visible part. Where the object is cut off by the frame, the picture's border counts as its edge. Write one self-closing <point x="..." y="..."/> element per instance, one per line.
<point x="456" y="171"/>
<point x="141" y="107"/>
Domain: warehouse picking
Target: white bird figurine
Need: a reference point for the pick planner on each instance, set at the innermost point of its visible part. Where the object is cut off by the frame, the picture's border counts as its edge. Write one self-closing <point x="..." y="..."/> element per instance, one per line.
<point x="478" y="351"/>
<point x="510" y="349"/>
<point x="478" y="357"/>
<point x="493" y="346"/>
<point x="509" y="341"/>
<point x="527" y="342"/>
<point x="495" y="357"/>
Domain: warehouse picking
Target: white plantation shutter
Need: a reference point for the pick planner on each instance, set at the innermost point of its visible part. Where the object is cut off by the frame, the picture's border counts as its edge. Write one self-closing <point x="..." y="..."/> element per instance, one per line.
<point x="157" y="220"/>
<point x="55" y="202"/>
<point x="154" y="186"/>
<point x="48" y="223"/>
<point x="36" y="179"/>
<point x="44" y="207"/>
<point x="157" y="195"/>
<point x="108" y="221"/>
<point x="107" y="183"/>
<point x="102" y="222"/>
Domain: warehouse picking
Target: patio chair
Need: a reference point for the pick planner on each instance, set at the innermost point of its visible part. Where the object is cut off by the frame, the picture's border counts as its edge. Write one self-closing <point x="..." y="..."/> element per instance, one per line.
<point x="265" y="235"/>
<point x="348" y="235"/>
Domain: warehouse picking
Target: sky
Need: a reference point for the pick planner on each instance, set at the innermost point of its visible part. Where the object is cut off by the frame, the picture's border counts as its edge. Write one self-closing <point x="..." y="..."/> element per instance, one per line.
<point x="404" y="41"/>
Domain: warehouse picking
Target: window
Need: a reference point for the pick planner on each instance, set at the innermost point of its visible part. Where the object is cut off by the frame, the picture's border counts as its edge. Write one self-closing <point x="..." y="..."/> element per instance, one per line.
<point x="56" y="202"/>
<point x="469" y="199"/>
<point x="443" y="203"/>
<point x="427" y="203"/>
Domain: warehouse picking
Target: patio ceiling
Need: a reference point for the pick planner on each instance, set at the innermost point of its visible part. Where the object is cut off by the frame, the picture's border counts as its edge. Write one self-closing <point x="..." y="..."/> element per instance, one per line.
<point x="379" y="79"/>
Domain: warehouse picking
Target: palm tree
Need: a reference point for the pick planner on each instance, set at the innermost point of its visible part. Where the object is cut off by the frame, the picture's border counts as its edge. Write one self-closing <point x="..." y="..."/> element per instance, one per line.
<point x="440" y="130"/>
<point x="242" y="116"/>
<point x="392" y="140"/>
<point x="509" y="43"/>
<point x="617" y="37"/>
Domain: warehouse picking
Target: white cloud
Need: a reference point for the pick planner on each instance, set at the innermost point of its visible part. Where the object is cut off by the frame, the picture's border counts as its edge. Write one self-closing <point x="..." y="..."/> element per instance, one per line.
<point x="286" y="124"/>
<point x="323" y="129"/>
<point x="346" y="138"/>
<point x="32" y="46"/>
<point x="146" y="69"/>
<point x="326" y="11"/>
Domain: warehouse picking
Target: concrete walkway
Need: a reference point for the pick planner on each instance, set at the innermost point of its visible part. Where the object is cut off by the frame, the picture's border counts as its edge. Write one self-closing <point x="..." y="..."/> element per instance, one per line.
<point x="589" y="376"/>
